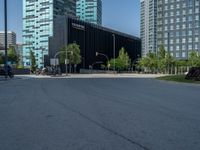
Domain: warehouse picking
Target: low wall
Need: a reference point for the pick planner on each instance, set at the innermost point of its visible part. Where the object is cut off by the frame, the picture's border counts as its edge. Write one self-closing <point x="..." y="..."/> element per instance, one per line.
<point x="88" y="71"/>
<point x="15" y="71"/>
<point x="21" y="71"/>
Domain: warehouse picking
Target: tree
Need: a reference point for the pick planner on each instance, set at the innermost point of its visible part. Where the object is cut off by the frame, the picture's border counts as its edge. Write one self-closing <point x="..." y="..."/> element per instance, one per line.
<point x="161" y="59"/>
<point x="33" y="61"/>
<point x="118" y="64"/>
<point x="194" y="59"/>
<point x="169" y="61"/>
<point x="12" y="56"/>
<point x="148" y="63"/>
<point x="143" y="63"/>
<point x="153" y="61"/>
<point x="180" y="63"/>
<point x="73" y="54"/>
<point x="122" y="61"/>
<point x="1" y="58"/>
<point x="161" y="52"/>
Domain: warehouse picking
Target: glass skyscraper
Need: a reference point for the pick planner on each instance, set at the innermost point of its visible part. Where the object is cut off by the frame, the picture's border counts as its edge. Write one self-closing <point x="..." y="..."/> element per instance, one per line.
<point x="89" y="10"/>
<point x="11" y="38"/>
<point x="38" y="16"/>
<point x="175" y="24"/>
<point x="178" y="26"/>
<point x="148" y="31"/>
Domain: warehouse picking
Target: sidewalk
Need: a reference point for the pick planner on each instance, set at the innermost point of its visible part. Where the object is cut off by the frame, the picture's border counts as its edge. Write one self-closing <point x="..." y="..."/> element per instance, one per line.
<point x="93" y="76"/>
<point x="2" y="78"/>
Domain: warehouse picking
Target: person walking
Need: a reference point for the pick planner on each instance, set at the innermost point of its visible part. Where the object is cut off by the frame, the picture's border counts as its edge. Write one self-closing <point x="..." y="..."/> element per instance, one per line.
<point x="9" y="71"/>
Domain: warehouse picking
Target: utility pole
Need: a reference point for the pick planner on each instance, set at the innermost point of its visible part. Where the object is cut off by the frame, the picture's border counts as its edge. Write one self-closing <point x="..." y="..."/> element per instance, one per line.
<point x="6" y="47"/>
<point x="66" y="61"/>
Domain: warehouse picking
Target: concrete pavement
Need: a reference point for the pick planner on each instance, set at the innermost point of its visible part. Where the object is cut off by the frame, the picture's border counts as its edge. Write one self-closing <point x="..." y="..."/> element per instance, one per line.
<point x="2" y="78"/>
<point x="130" y="75"/>
<point x="99" y="114"/>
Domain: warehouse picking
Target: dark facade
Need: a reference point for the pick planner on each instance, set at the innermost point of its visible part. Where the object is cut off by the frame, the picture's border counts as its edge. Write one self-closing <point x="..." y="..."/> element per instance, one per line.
<point x="91" y="38"/>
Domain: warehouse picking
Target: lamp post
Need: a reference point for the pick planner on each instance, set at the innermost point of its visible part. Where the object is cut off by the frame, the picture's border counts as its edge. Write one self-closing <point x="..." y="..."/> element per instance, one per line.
<point x="168" y="51"/>
<point x="97" y="53"/>
<point x="70" y="65"/>
<point x="114" y="51"/>
<point x="135" y="62"/>
<point x="6" y="47"/>
<point x="66" y="63"/>
<point x="98" y="62"/>
<point x="66" y="60"/>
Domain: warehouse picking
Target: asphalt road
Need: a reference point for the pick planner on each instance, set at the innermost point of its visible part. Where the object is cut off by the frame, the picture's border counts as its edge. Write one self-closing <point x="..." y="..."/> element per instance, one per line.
<point x="99" y="114"/>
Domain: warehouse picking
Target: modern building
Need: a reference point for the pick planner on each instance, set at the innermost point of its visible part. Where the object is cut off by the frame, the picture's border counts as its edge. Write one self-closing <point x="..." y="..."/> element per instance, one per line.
<point x="2" y="49"/>
<point x="19" y="51"/>
<point x="92" y="38"/>
<point x="89" y="10"/>
<point x="11" y="38"/>
<point x="38" y="19"/>
<point x="148" y="33"/>
<point x="70" y="8"/>
<point x="178" y="26"/>
<point x="174" y="24"/>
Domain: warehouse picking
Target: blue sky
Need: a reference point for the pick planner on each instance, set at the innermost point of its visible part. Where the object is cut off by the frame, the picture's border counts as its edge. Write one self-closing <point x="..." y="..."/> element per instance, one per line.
<point x="121" y="15"/>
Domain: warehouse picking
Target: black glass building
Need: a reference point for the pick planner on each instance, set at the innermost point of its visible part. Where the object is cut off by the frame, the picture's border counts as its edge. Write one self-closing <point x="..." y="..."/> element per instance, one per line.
<point x="91" y="38"/>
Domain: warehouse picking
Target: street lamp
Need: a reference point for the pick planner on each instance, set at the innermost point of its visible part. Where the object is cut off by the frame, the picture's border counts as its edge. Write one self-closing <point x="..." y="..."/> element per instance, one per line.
<point x="98" y="62"/>
<point x="114" y="51"/>
<point x="66" y="63"/>
<point x="70" y="65"/>
<point x="6" y="47"/>
<point x="135" y="61"/>
<point x="66" y="60"/>
<point x="97" y="53"/>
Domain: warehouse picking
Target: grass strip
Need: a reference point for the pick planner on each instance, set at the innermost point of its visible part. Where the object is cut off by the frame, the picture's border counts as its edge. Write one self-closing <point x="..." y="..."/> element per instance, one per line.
<point x="177" y="78"/>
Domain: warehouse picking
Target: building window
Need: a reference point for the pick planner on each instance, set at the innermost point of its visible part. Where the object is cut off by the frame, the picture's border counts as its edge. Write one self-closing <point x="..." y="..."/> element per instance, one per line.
<point x="190" y="18"/>
<point x="190" y="40"/>
<point x="177" y="12"/>
<point x="172" y="20"/>
<point x="190" y="32"/>
<point x="184" y="19"/>
<point x="183" y="33"/>
<point x="183" y="40"/>
<point x="177" y="34"/>
<point x="171" y="48"/>
<point x="183" y="54"/>
<point x="177" y="48"/>
<point x="196" y="46"/>
<point x="196" y="39"/>
<point x="183" y="47"/>
<point x="177" y="54"/>
<point x="190" y="47"/>
<point x="197" y="17"/>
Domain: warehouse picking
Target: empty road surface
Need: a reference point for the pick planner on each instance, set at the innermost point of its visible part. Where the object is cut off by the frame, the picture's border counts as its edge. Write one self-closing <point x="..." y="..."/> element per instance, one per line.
<point x="99" y="114"/>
